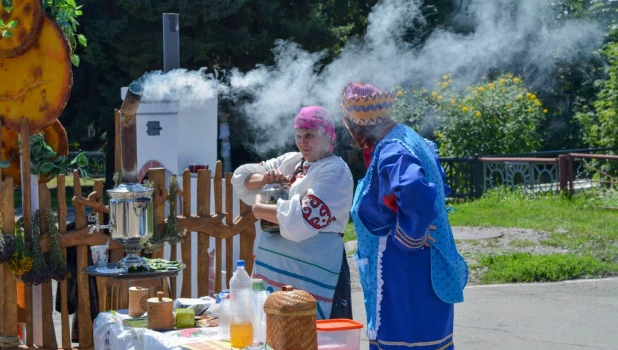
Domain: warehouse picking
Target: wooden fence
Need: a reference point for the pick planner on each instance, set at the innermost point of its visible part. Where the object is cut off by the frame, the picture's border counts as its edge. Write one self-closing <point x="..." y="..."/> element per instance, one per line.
<point x="17" y="298"/>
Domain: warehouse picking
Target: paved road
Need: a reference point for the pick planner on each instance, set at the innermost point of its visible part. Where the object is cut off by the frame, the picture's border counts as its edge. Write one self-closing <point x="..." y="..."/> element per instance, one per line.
<point x="545" y="316"/>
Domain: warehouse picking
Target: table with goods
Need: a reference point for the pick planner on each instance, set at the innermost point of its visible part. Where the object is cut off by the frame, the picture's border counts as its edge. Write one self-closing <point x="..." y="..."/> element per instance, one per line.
<point x="244" y="317"/>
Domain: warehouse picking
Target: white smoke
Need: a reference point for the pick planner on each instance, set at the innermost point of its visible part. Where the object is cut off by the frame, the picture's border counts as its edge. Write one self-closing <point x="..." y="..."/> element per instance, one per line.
<point x="500" y="35"/>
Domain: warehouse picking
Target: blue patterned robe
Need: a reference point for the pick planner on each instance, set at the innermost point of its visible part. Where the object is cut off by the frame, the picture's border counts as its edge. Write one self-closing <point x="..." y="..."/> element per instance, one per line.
<point x="409" y="289"/>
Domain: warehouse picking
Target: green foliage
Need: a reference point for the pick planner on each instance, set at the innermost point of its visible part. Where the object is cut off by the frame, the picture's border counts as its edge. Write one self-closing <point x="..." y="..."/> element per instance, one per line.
<point x="66" y="12"/>
<point x="525" y="267"/>
<point x="46" y="162"/>
<point x="5" y="32"/>
<point x="495" y="117"/>
<point x="601" y="123"/>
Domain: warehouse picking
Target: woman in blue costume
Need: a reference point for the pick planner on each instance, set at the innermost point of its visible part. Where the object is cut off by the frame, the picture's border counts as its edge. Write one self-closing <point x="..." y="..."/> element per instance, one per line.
<point x="410" y="270"/>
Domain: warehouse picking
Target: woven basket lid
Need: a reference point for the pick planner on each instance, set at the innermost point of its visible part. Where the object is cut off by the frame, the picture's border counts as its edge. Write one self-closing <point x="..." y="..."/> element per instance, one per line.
<point x="290" y="302"/>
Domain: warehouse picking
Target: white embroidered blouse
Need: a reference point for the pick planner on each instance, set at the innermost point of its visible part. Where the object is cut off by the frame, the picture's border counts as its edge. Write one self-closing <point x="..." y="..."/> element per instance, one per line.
<point x="320" y="196"/>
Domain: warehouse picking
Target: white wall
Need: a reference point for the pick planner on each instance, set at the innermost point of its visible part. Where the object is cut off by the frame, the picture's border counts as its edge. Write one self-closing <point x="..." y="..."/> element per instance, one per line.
<point x="197" y="134"/>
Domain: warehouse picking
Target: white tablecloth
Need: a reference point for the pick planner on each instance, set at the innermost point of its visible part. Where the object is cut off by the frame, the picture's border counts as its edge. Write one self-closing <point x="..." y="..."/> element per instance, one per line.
<point x="111" y="334"/>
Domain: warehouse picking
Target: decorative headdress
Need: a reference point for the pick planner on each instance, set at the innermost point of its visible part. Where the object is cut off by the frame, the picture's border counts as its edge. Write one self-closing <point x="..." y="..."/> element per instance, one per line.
<point x="366" y="104"/>
<point x="316" y="118"/>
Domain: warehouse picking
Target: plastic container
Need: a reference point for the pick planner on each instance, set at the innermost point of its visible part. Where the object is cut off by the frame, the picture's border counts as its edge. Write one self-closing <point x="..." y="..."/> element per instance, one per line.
<point x="338" y="334"/>
<point x="241" y="298"/>
<point x="225" y="318"/>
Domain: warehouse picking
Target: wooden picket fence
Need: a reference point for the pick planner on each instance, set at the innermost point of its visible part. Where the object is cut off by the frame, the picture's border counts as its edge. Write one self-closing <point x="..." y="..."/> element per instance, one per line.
<point x="17" y="298"/>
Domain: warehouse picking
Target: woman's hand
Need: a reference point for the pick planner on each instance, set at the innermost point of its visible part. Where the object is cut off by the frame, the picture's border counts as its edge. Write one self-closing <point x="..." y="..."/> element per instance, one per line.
<point x="273" y="175"/>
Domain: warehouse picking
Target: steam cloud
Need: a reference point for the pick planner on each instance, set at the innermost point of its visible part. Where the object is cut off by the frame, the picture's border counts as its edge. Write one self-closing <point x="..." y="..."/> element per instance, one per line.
<point x="501" y="35"/>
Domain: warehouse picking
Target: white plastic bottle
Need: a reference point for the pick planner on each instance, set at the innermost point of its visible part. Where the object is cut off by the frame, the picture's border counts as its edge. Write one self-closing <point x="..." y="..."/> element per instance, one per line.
<point x="241" y="297"/>
<point x="225" y="318"/>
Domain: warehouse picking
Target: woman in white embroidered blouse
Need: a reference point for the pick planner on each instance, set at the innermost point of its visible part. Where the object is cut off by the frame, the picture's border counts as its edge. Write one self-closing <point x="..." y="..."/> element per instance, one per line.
<point x="308" y="253"/>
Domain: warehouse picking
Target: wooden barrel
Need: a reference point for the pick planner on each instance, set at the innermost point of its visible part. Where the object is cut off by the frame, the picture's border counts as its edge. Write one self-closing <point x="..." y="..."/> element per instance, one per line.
<point x="138" y="301"/>
<point x="290" y="320"/>
<point x="160" y="313"/>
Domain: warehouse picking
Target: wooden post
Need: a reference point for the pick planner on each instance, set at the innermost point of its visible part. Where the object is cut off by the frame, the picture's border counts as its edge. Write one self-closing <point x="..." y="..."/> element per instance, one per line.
<point x="203" y="240"/>
<point x="218" y="241"/>
<point x="229" y="220"/>
<point x="571" y="177"/>
<point x="186" y="244"/>
<point x="9" y="324"/>
<point x="47" y="307"/>
<point x="24" y="293"/>
<point x="563" y="171"/>
<point x="62" y="227"/>
<point x="83" y="285"/>
<point x="100" y="281"/>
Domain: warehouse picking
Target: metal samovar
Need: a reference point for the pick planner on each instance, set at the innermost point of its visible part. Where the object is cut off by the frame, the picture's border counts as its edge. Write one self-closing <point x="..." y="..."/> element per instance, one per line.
<point x="131" y="225"/>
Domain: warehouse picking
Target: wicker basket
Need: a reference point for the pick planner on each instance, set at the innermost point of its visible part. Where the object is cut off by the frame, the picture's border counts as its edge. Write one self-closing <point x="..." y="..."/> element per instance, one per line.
<point x="290" y="320"/>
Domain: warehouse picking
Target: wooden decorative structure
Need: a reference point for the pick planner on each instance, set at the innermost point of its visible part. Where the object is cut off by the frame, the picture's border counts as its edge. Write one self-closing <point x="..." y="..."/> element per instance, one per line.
<point x="15" y="298"/>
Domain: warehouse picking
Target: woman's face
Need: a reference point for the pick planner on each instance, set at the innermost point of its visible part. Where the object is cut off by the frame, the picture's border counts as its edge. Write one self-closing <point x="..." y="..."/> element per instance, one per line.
<point x="313" y="145"/>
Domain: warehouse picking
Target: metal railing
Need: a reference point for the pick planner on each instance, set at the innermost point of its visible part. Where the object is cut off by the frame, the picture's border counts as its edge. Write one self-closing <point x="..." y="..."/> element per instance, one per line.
<point x="558" y="170"/>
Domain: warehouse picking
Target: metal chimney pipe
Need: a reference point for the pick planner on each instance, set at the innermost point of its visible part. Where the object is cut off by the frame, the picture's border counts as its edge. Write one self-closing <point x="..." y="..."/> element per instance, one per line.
<point x="128" y="133"/>
<point x="171" y="42"/>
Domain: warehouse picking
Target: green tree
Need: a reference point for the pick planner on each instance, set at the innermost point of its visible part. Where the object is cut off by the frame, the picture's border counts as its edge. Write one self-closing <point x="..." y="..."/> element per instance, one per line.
<point x="600" y="123"/>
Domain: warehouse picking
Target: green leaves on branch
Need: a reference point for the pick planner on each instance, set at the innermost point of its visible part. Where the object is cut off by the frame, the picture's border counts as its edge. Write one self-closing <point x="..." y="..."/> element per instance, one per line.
<point x="4" y="27"/>
<point x="46" y="162"/>
<point x="7" y="5"/>
<point x="66" y="12"/>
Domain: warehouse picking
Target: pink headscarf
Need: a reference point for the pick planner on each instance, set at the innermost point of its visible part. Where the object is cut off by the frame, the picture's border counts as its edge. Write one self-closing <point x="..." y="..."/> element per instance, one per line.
<point x="316" y="118"/>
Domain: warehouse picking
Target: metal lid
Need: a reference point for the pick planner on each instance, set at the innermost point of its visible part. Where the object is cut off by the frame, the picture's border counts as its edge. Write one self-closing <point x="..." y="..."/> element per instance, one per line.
<point x="129" y="191"/>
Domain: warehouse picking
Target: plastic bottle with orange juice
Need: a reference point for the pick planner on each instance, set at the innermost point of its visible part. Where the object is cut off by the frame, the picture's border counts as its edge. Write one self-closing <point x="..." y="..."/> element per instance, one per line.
<point x="241" y="298"/>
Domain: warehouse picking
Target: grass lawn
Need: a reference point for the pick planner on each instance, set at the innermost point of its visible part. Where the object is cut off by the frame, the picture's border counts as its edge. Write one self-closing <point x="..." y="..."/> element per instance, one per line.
<point x="582" y="225"/>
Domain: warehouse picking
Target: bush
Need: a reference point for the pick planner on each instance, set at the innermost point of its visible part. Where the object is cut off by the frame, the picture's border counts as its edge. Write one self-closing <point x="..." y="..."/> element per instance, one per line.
<point x="495" y="117"/>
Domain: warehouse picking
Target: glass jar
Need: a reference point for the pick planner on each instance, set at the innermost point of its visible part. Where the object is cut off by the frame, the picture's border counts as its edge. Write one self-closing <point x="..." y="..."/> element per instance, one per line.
<point x="271" y="193"/>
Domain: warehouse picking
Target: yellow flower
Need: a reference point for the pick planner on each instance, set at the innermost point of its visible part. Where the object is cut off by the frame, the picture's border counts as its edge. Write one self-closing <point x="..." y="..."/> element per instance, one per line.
<point x="538" y="103"/>
<point x="440" y="97"/>
<point x="452" y="101"/>
<point x="481" y="88"/>
<point x="528" y="95"/>
<point x="424" y="90"/>
<point x="478" y="114"/>
<point x="444" y="86"/>
<point x="532" y="96"/>
<point x="471" y="108"/>
<point x="509" y="75"/>
<point x="434" y="94"/>
<point x="502" y="81"/>
<point x="399" y="93"/>
<point x="516" y="80"/>
<point x="491" y="86"/>
<point x="520" y="96"/>
<point x="465" y="109"/>
<point x="545" y="111"/>
<point x="445" y="77"/>
<point x="529" y="109"/>
<point x="440" y="135"/>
